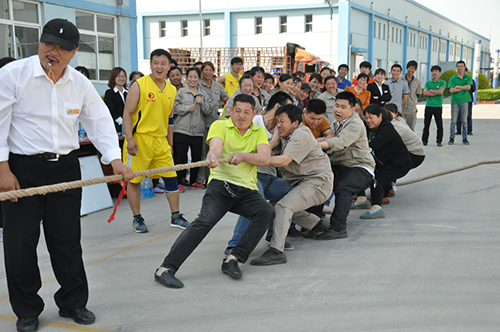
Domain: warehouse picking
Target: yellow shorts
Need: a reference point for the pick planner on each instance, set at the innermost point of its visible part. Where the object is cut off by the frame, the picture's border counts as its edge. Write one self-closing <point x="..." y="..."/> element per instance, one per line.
<point x="152" y="152"/>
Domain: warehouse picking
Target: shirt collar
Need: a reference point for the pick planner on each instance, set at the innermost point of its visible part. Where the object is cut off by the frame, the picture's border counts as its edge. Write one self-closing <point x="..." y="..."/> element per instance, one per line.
<point x="230" y="124"/>
<point x="39" y="71"/>
<point x="115" y="89"/>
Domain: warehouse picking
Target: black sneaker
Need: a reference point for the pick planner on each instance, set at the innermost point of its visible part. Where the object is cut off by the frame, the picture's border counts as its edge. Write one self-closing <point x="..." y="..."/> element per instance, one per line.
<point x="228" y="251"/>
<point x="168" y="279"/>
<point x="231" y="268"/>
<point x="332" y="235"/>
<point x="466" y="142"/>
<point x="27" y="324"/>
<point x="270" y="257"/>
<point x="320" y="227"/>
<point x="439" y="144"/>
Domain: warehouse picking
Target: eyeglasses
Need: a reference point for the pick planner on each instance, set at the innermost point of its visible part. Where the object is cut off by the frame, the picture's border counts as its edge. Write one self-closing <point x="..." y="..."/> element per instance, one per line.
<point x="56" y="47"/>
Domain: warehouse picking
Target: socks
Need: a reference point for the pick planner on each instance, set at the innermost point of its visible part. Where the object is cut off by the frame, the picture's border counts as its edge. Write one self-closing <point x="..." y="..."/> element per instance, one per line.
<point x="175" y="215"/>
<point x="137" y="216"/>
<point x="375" y="208"/>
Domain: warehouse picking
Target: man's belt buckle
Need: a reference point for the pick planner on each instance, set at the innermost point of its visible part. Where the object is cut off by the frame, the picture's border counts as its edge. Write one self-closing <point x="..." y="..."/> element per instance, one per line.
<point x="56" y="157"/>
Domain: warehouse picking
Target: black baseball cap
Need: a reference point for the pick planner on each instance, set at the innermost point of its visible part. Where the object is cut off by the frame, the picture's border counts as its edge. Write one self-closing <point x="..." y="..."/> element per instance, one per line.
<point x="61" y="32"/>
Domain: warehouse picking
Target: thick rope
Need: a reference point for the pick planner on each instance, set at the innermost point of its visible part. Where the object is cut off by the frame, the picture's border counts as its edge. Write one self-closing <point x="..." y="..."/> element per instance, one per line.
<point x="106" y="179"/>
<point x="403" y="183"/>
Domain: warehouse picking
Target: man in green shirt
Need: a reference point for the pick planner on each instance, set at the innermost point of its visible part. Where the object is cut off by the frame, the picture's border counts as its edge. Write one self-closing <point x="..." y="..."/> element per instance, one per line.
<point x="434" y="105"/>
<point x="232" y="188"/>
<point x="459" y="85"/>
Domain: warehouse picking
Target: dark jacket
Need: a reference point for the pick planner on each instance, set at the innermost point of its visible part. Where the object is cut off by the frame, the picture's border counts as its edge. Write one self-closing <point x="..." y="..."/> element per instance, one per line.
<point x="115" y="104"/>
<point x="388" y="147"/>
<point x="376" y="98"/>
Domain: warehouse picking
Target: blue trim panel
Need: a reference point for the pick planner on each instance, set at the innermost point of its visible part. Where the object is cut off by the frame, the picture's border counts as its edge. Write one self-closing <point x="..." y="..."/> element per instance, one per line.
<point x="405" y="46"/>
<point x="371" y="37"/>
<point x="96" y="7"/>
<point x="447" y="50"/>
<point x="429" y="58"/>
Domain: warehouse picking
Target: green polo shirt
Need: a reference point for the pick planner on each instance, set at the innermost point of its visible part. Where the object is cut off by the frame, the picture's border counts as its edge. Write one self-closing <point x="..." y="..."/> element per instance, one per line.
<point x="462" y="96"/>
<point x="243" y="174"/>
<point x="435" y="101"/>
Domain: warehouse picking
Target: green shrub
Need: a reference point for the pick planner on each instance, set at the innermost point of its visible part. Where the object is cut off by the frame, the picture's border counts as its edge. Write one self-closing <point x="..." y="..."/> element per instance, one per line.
<point x="483" y="82"/>
<point x="447" y="75"/>
<point x="488" y="94"/>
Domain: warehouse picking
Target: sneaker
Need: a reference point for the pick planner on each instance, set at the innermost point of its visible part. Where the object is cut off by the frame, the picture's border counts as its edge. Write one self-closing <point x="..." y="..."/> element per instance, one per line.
<point x="330" y="234"/>
<point x="139" y="225"/>
<point x="270" y="257"/>
<point x="466" y="142"/>
<point x="196" y="186"/>
<point x="158" y="190"/>
<point x="451" y="142"/>
<point x="180" y="222"/>
<point x="439" y="144"/>
<point x="294" y="232"/>
<point x="379" y="214"/>
<point x="470" y="134"/>
<point x="319" y="228"/>
<point x="181" y="188"/>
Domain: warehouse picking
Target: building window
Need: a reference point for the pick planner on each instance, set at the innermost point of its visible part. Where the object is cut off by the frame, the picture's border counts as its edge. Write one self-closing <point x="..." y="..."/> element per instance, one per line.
<point x="19" y="28"/>
<point x="383" y="37"/>
<point x="163" y="28"/>
<point x="308" y="23"/>
<point x="206" y="27"/>
<point x="392" y="34"/>
<point x="374" y="29"/>
<point x="258" y="25"/>
<point x="283" y="22"/>
<point x="97" y="49"/>
<point x="184" y="28"/>
<point x="379" y="28"/>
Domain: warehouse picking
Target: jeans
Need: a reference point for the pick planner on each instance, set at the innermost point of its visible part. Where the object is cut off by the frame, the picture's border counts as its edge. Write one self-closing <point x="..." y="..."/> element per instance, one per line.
<point x="469" y="121"/>
<point x="347" y="181"/>
<point x="437" y="112"/>
<point x="222" y="197"/>
<point x="456" y="110"/>
<point x="273" y="189"/>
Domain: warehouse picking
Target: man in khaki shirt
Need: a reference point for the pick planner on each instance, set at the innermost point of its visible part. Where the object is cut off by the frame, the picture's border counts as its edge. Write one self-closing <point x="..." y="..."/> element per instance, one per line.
<point x="308" y="170"/>
<point x="352" y="162"/>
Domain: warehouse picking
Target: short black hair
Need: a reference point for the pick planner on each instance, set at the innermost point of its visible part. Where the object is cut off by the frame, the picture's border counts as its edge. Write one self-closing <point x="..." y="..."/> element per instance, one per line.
<point x="330" y="77"/>
<point x="346" y="95"/>
<point x="236" y="59"/>
<point x="81" y="69"/>
<point x="294" y="113"/>
<point x="343" y="66"/>
<point x="268" y="76"/>
<point x="380" y="71"/>
<point x="396" y="65"/>
<point x="359" y="102"/>
<point x="436" y="67"/>
<point x="172" y="69"/>
<point x="326" y="68"/>
<point x="461" y="61"/>
<point x="376" y="110"/>
<point x="363" y="75"/>
<point x="257" y="69"/>
<point x="316" y="76"/>
<point x="197" y="63"/>
<point x="412" y="63"/>
<point x="316" y="106"/>
<point x="300" y="74"/>
<point x="245" y="77"/>
<point x="243" y="98"/>
<point x="159" y="52"/>
<point x="278" y="98"/>
<point x="196" y="69"/>
<point x="9" y="59"/>
<point x="392" y="108"/>
<point x="285" y="77"/>
<point x="305" y="87"/>
<point x="174" y="62"/>
<point x="365" y="64"/>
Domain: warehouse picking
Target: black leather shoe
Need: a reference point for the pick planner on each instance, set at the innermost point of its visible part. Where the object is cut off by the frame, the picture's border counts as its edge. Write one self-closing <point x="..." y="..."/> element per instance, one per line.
<point x="231" y="268"/>
<point x="168" y="279"/>
<point x="27" y="324"/>
<point x="332" y="235"/>
<point x="319" y="228"/>
<point x="271" y="257"/>
<point x="81" y="315"/>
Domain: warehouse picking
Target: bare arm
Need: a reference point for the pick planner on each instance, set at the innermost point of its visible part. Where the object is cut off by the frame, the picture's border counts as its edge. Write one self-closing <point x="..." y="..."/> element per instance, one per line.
<point x="8" y="180"/>
<point x="129" y="109"/>
<point x="215" y="152"/>
<point x="260" y="158"/>
<point x="280" y="161"/>
<point x="405" y="99"/>
<point x="275" y="140"/>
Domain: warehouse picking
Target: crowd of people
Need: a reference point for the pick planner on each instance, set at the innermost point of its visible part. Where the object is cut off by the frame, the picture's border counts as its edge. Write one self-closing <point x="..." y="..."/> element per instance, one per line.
<point x="299" y="148"/>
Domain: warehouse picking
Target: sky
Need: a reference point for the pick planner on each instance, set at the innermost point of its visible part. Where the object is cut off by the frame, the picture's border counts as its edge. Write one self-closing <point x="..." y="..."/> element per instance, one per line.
<point x="480" y="16"/>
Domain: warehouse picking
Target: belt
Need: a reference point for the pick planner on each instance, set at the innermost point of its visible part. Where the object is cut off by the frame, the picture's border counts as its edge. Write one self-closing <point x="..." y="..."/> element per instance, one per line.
<point x="47" y="156"/>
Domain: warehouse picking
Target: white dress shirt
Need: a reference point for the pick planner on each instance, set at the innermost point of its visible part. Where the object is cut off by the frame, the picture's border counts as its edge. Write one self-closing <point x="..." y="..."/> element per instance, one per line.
<point x="37" y="116"/>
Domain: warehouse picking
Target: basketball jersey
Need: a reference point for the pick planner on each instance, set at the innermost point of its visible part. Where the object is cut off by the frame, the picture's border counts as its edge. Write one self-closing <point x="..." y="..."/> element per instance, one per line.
<point x="154" y="108"/>
<point x="231" y="84"/>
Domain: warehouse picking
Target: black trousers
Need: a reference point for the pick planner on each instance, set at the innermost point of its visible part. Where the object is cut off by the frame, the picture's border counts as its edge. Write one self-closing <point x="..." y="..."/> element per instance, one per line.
<point x="469" y="121"/>
<point x="182" y="143"/>
<point x="60" y="217"/>
<point x="219" y="199"/>
<point x="346" y="182"/>
<point x="437" y="112"/>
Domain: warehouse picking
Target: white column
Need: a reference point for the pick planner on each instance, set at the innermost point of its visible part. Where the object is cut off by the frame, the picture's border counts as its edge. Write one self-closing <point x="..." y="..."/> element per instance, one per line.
<point x="477" y="65"/>
<point x="495" y="70"/>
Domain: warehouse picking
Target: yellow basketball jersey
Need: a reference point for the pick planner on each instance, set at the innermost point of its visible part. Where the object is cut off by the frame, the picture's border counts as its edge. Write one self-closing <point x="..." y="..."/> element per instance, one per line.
<point x="154" y="107"/>
<point x="231" y="84"/>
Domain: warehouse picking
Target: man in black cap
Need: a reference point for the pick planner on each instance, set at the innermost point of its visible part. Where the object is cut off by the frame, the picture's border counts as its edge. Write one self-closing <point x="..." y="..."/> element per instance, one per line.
<point x="42" y="100"/>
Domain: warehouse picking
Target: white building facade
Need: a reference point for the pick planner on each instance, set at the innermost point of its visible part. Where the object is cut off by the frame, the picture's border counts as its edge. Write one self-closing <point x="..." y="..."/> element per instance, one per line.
<point x="382" y="32"/>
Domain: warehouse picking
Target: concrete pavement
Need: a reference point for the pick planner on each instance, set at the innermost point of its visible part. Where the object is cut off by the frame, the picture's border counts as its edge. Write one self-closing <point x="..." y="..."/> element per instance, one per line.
<point x="431" y="265"/>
